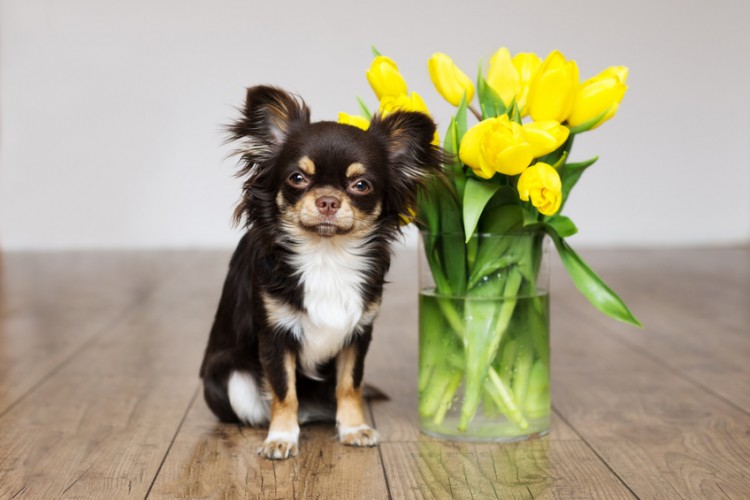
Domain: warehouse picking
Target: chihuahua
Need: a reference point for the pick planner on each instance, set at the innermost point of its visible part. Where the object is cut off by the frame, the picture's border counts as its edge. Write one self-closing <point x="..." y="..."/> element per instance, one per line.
<point x="321" y="204"/>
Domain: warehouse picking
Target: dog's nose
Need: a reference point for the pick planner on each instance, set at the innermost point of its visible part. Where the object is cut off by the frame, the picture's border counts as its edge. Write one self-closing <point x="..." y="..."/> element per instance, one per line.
<point x="327" y="205"/>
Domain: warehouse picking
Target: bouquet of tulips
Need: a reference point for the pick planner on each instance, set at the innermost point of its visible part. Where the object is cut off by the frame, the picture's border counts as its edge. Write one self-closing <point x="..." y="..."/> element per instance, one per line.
<point x="509" y="174"/>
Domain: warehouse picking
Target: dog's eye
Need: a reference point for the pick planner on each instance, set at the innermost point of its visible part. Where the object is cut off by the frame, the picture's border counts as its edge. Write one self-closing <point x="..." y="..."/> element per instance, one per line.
<point x="298" y="180"/>
<point x="361" y="186"/>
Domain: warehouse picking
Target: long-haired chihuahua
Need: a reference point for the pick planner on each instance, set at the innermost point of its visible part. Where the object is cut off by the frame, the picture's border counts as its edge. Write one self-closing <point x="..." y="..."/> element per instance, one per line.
<point x="321" y="205"/>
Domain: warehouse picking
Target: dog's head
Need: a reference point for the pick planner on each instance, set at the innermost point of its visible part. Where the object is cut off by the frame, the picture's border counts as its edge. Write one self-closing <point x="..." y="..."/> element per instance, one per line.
<point x="326" y="178"/>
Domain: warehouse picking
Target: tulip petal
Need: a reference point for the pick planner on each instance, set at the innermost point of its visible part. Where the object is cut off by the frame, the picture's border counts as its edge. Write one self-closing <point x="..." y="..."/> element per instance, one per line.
<point x="598" y="98"/>
<point x="553" y="91"/>
<point x="449" y="80"/>
<point x="541" y="184"/>
<point x="514" y="159"/>
<point x="469" y="149"/>
<point x="355" y="121"/>
<point x="385" y="78"/>
<point x="545" y="137"/>
<point x="503" y="77"/>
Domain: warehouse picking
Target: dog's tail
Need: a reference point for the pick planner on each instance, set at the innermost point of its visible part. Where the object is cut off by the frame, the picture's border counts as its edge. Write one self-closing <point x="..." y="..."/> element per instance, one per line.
<point x="217" y="398"/>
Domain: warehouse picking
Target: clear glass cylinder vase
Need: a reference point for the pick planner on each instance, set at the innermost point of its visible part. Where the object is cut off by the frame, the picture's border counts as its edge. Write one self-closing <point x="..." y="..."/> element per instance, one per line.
<point x="484" y="355"/>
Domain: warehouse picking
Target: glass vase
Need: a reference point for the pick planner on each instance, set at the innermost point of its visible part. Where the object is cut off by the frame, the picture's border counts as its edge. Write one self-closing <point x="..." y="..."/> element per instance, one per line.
<point x="484" y="357"/>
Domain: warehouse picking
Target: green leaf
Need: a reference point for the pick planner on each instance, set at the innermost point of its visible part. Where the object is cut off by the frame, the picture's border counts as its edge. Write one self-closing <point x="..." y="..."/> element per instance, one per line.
<point x="492" y="253"/>
<point x="363" y="108"/>
<point x="476" y="195"/>
<point x="586" y="126"/>
<point x="444" y="245"/>
<point x="491" y="103"/>
<point x="506" y="195"/>
<point x="590" y="285"/>
<point x="502" y="219"/>
<point x="560" y="154"/>
<point x="560" y="162"/>
<point x="569" y="175"/>
<point x="562" y="225"/>
<point x="515" y="113"/>
<point x="375" y="51"/>
<point x="461" y="121"/>
<point x="454" y="167"/>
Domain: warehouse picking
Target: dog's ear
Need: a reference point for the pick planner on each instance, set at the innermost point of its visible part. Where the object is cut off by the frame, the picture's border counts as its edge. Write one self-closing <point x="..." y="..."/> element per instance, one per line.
<point x="269" y="115"/>
<point x="412" y="158"/>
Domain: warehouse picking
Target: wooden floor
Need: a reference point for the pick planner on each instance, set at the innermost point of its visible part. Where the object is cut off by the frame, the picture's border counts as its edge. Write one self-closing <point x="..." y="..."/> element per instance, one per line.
<point x="99" y="393"/>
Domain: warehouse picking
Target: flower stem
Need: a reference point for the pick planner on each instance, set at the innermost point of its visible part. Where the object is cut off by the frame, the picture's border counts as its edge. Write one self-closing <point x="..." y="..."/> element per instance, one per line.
<point x="504" y="400"/>
<point x="475" y="112"/>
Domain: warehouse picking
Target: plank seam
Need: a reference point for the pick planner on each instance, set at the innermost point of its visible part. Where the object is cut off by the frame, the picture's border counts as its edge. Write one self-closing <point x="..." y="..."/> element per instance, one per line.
<point x="679" y="372"/>
<point x="380" y="453"/>
<point x="593" y="450"/>
<point x="117" y="319"/>
<point x="65" y="362"/>
<point x="171" y="443"/>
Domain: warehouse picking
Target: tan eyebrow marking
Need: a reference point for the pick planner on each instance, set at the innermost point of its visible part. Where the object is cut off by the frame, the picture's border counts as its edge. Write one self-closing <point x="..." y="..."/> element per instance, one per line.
<point x="307" y="165"/>
<point x="355" y="169"/>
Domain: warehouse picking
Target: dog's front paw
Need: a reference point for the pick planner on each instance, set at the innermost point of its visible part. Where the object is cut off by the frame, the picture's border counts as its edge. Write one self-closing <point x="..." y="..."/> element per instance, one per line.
<point x="361" y="435"/>
<point x="279" y="446"/>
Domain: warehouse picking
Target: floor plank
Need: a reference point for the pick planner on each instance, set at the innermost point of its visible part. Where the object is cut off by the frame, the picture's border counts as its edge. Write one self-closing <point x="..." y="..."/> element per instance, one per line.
<point x="99" y="394"/>
<point x="540" y="468"/>
<point x="665" y="436"/>
<point x="53" y="304"/>
<point x="214" y="460"/>
<point x="101" y="426"/>
<point x="696" y="308"/>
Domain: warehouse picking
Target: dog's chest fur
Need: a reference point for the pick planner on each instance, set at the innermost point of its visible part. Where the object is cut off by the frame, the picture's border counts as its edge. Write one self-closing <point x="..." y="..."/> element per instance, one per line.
<point x="332" y="275"/>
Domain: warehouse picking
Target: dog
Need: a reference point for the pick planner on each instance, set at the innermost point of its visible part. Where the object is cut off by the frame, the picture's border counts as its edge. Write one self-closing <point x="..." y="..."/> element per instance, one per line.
<point x="321" y="204"/>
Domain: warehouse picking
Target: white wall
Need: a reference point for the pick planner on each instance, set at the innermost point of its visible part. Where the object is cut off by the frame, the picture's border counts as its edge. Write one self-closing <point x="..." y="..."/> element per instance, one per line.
<point x="111" y="110"/>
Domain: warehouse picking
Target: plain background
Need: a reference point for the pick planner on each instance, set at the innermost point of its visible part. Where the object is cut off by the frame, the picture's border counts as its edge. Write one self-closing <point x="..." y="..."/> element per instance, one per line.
<point x="111" y="111"/>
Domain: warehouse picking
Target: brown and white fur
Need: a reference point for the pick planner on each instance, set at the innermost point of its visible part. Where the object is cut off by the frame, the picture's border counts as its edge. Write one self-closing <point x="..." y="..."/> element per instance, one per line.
<point x="321" y="205"/>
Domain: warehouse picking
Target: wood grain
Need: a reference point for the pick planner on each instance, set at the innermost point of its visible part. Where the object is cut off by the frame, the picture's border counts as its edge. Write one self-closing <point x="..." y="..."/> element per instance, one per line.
<point x="52" y="304"/>
<point x="99" y="397"/>
<point x="100" y="427"/>
<point x="665" y="436"/>
<point x="696" y="305"/>
<point x="538" y="468"/>
<point x="214" y="460"/>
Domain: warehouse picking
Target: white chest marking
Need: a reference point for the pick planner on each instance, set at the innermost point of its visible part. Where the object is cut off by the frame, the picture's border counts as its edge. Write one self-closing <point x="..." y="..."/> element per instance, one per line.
<point x="331" y="272"/>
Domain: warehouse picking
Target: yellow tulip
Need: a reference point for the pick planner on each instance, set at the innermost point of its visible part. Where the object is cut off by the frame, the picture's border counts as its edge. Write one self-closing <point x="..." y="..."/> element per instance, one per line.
<point x="553" y="89"/>
<point x="527" y="64"/>
<point x="541" y="183"/>
<point x="503" y="77"/>
<point x="496" y="145"/>
<point x="546" y="136"/>
<point x="384" y="77"/>
<point x="600" y="95"/>
<point x="354" y="121"/>
<point x="450" y="81"/>
<point x="511" y="78"/>
<point x="403" y="102"/>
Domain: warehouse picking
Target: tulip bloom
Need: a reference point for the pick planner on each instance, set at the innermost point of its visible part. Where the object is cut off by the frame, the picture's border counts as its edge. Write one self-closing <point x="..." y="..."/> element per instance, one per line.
<point x="553" y="90"/>
<point x="384" y="77"/>
<point x="354" y="121"/>
<point x="450" y="81"/>
<point x="599" y="96"/>
<point x="541" y="183"/>
<point x="546" y="136"/>
<point x="527" y="64"/>
<point x="502" y="76"/>
<point x="511" y="78"/>
<point x="496" y="145"/>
